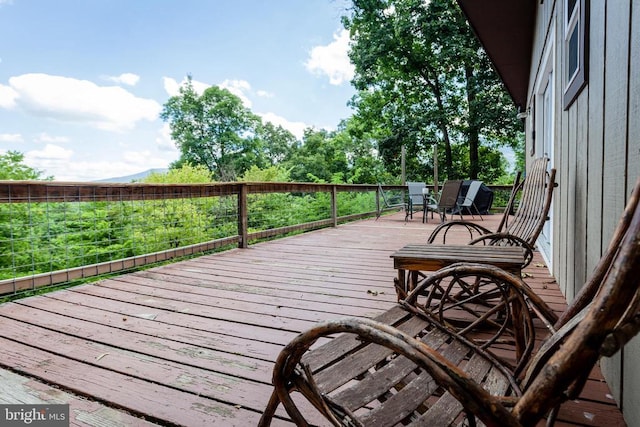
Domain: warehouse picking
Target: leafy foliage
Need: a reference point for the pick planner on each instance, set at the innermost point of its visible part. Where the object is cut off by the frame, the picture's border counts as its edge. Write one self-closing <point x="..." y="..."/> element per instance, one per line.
<point x="12" y="167"/>
<point x="423" y="80"/>
<point x="213" y="129"/>
<point x="346" y="155"/>
<point x="186" y="174"/>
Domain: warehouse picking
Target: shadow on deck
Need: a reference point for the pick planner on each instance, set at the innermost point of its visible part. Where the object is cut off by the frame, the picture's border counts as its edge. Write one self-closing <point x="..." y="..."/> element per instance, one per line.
<point x="193" y="343"/>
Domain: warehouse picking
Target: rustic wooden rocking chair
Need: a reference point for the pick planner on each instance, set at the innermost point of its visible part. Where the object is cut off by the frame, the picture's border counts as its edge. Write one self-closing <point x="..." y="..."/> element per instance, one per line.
<point x="527" y="223"/>
<point x="407" y="368"/>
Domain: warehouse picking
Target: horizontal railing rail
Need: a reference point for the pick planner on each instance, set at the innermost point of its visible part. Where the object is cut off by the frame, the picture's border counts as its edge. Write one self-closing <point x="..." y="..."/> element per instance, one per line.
<point x="56" y="232"/>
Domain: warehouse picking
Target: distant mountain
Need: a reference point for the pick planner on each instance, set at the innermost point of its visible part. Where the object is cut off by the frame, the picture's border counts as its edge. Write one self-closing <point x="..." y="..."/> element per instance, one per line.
<point x="131" y="178"/>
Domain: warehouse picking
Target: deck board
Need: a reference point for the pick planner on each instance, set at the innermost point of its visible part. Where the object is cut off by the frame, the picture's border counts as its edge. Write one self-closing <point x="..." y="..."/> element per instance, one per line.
<point x="193" y="342"/>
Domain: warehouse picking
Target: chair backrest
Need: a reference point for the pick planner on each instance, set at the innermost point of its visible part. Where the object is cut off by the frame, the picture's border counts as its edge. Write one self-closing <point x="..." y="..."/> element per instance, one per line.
<point x="472" y="192"/>
<point x="449" y="196"/>
<point x="600" y="327"/>
<point x="517" y="184"/>
<point x="415" y="192"/>
<point x="389" y="202"/>
<point x="535" y="202"/>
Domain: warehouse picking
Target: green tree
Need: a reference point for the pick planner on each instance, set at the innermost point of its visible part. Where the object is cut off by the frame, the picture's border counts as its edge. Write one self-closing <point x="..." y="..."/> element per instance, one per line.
<point x="186" y="174"/>
<point x="423" y="79"/>
<point x="270" y="174"/>
<point x="213" y="129"/>
<point x="276" y="142"/>
<point x="12" y="166"/>
<point x="363" y="155"/>
<point x="346" y="155"/>
<point x="318" y="158"/>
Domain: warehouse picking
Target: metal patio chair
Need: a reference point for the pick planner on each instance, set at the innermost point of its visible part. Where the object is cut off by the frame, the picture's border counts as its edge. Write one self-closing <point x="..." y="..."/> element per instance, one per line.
<point x="448" y="199"/>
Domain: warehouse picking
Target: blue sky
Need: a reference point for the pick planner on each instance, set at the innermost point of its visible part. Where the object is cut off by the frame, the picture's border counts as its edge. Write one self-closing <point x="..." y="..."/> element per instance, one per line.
<point x="82" y="82"/>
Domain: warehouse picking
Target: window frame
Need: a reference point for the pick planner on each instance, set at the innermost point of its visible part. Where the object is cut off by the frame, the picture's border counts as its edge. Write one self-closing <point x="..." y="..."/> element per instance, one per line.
<point x="578" y="17"/>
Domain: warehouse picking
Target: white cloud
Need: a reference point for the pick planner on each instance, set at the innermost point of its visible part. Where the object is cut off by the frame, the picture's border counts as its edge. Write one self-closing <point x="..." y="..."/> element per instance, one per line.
<point x="164" y="140"/>
<point x="143" y="159"/>
<point x="238" y="85"/>
<point x="332" y="60"/>
<point x="265" y="94"/>
<point x="83" y="171"/>
<point x="296" y="128"/>
<point x="50" y="152"/>
<point x="8" y="97"/>
<point x="125" y="78"/>
<point x="81" y="101"/>
<point x="61" y="164"/>
<point x="238" y="88"/>
<point x="45" y="137"/>
<point x="11" y="137"/>
<point x="172" y="87"/>
<point x="53" y="159"/>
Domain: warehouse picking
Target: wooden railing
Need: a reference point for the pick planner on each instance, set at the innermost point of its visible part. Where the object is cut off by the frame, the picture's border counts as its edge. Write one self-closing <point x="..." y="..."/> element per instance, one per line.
<point x="31" y="193"/>
<point x="238" y="195"/>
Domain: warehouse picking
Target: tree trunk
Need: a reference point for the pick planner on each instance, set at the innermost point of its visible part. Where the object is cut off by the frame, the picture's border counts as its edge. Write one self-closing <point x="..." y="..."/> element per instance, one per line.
<point x="442" y="124"/>
<point x="473" y="130"/>
<point x="434" y="84"/>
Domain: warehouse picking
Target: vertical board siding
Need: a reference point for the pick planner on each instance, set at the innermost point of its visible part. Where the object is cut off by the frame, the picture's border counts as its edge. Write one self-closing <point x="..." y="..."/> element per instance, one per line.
<point x="615" y="104"/>
<point x="595" y="150"/>
<point x="633" y="162"/>
<point x="597" y="155"/>
<point x="615" y="137"/>
<point x="570" y="184"/>
<point x="561" y="214"/>
<point x="631" y="377"/>
<point x="561" y="151"/>
<point x="581" y="194"/>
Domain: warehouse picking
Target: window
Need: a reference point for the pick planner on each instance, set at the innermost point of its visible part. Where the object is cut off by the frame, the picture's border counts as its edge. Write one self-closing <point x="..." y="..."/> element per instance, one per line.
<point x="575" y="49"/>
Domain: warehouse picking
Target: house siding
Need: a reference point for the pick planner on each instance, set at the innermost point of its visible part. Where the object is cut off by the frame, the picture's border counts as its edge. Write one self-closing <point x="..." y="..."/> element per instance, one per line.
<point x="631" y="372"/>
<point x="596" y="154"/>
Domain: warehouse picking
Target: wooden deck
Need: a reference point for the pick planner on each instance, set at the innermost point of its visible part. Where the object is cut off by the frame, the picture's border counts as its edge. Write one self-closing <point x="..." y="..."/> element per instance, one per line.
<point x="193" y="343"/>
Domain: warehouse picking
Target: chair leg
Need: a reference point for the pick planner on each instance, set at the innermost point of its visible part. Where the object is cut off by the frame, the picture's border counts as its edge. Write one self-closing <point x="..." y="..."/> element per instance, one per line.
<point x="477" y="210"/>
<point x="270" y="410"/>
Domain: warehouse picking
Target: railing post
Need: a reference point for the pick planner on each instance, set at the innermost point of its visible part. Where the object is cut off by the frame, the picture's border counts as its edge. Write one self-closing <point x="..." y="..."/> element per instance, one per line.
<point x="378" y="201"/>
<point x="243" y="223"/>
<point x="334" y="205"/>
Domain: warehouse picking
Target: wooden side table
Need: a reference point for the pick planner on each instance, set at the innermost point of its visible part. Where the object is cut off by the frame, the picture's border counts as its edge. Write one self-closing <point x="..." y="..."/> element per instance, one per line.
<point x="412" y="259"/>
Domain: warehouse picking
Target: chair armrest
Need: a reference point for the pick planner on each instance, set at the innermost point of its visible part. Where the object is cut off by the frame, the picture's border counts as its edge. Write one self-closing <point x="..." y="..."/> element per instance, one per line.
<point x="290" y="373"/>
<point x="443" y="229"/>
